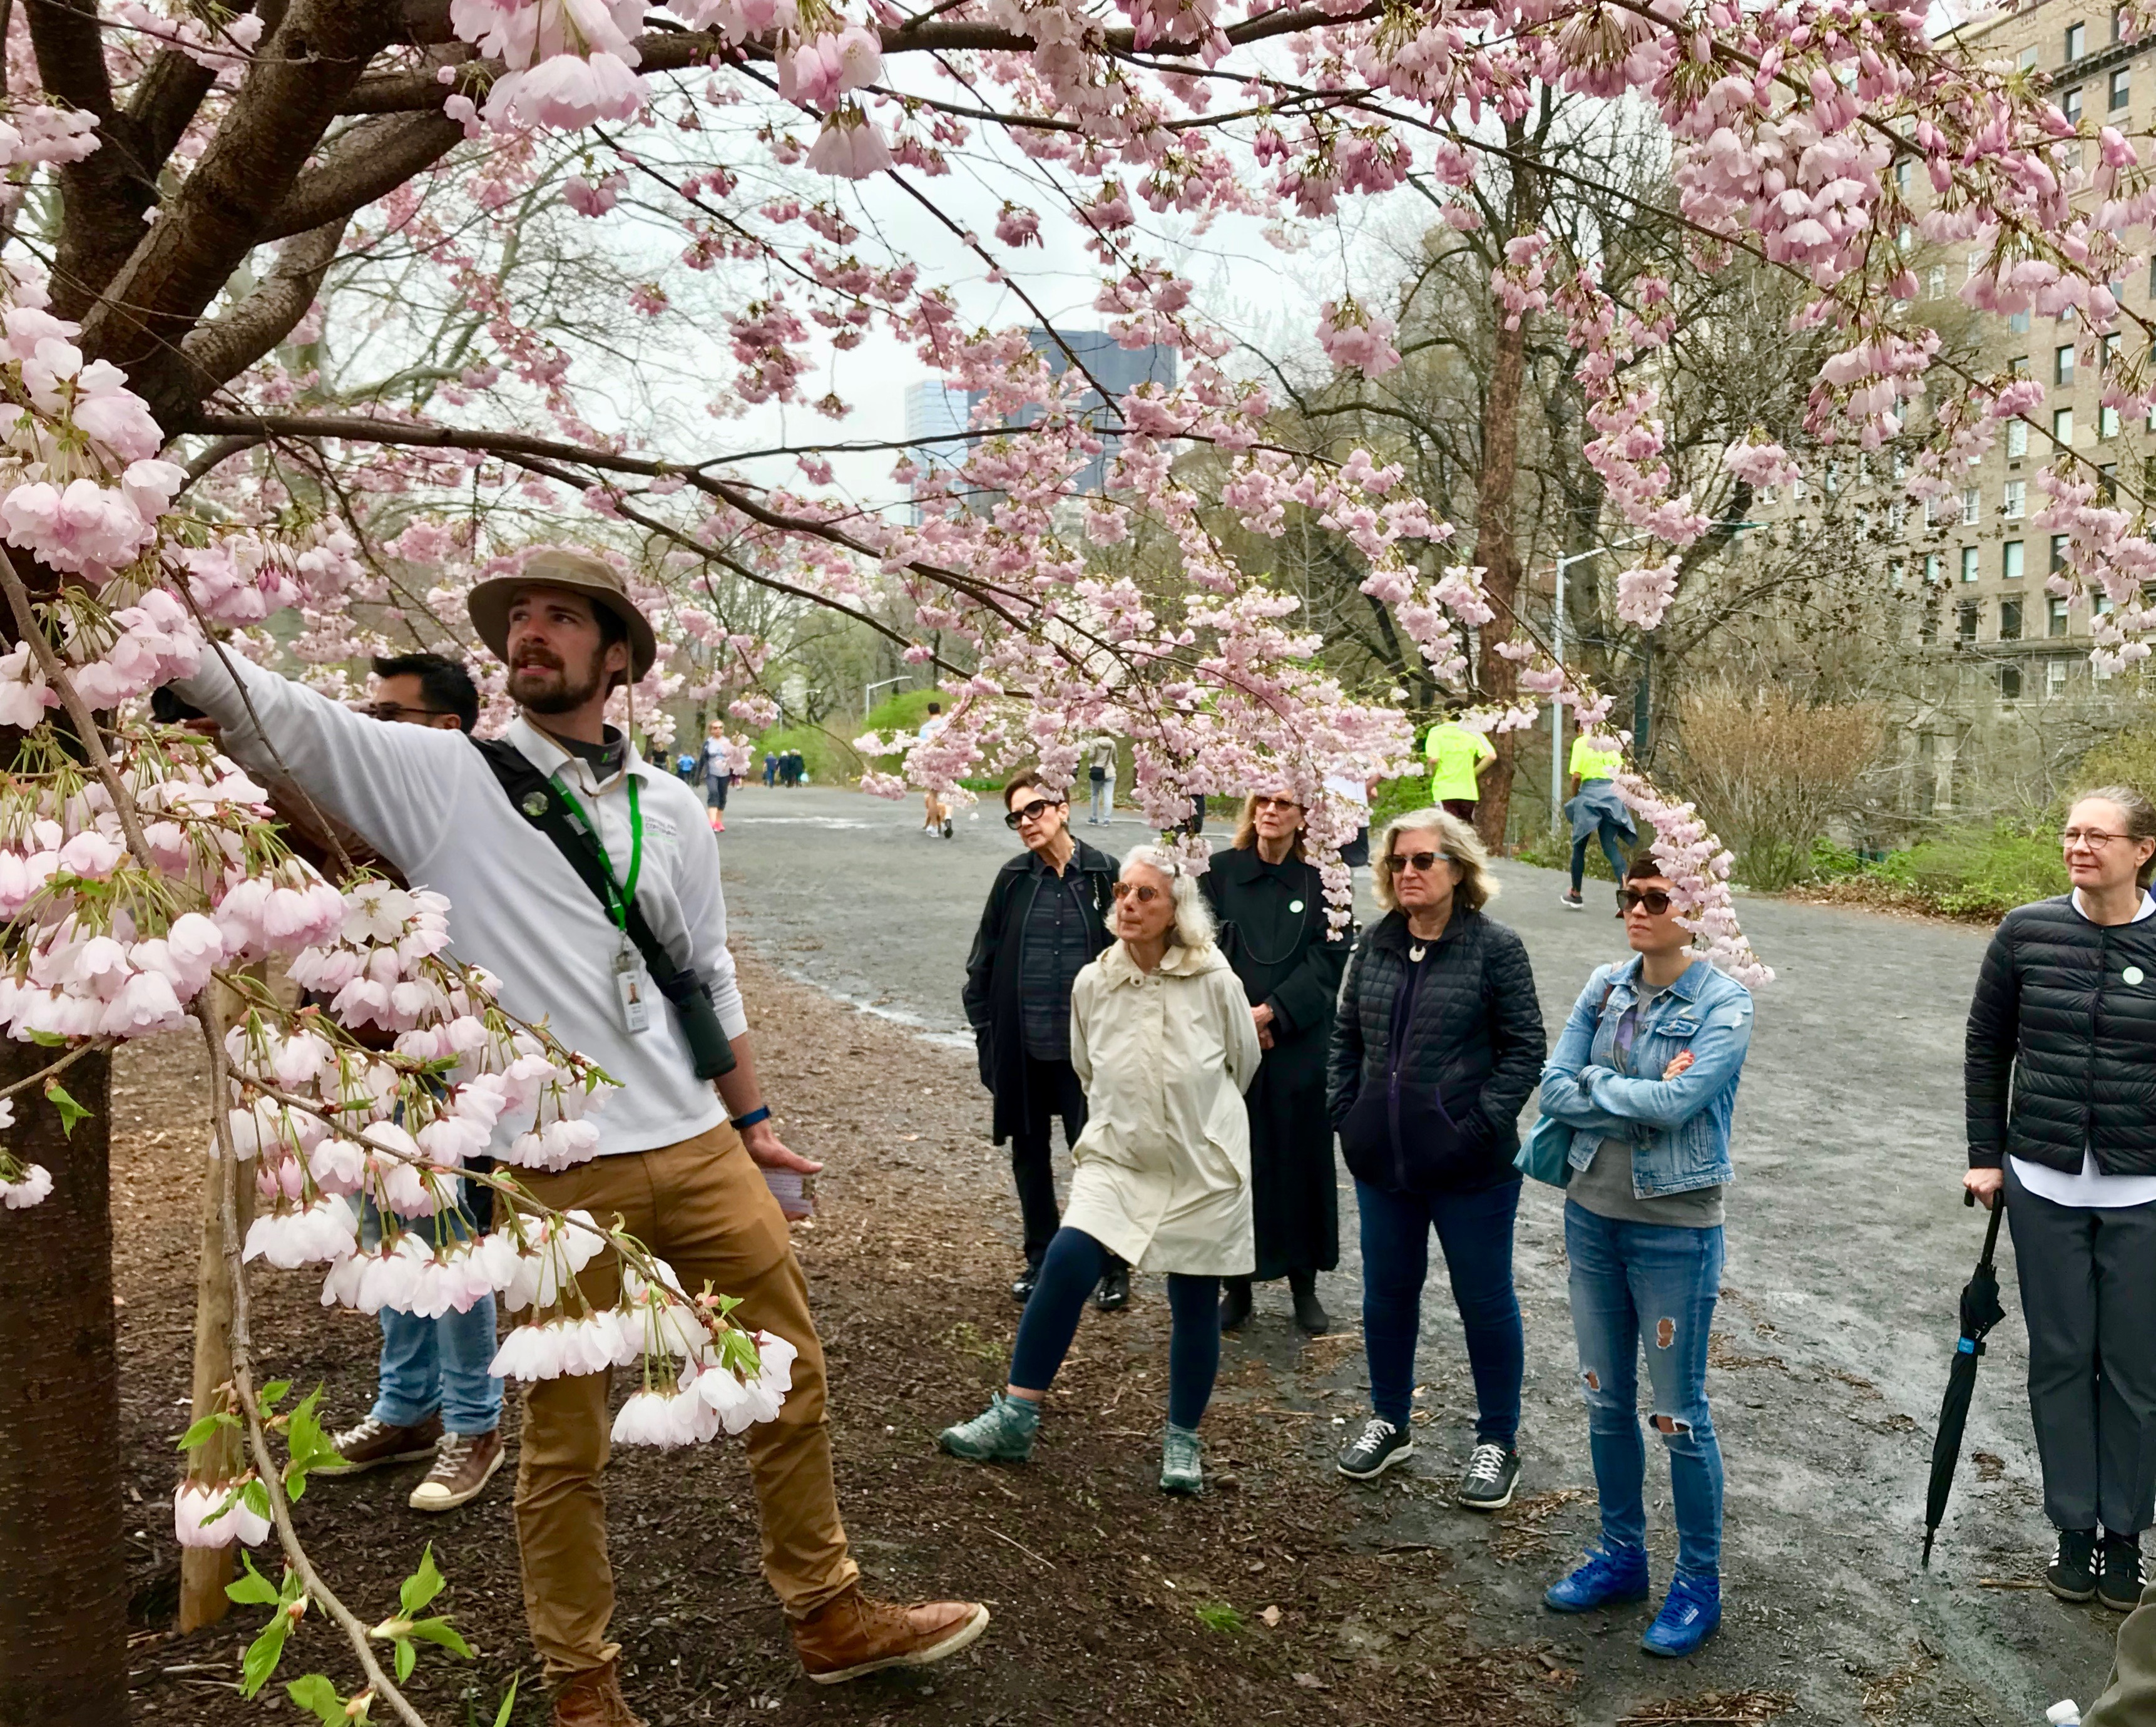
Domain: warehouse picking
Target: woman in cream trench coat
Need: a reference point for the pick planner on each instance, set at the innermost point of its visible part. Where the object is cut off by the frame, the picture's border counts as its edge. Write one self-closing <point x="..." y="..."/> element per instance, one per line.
<point x="1161" y="1038"/>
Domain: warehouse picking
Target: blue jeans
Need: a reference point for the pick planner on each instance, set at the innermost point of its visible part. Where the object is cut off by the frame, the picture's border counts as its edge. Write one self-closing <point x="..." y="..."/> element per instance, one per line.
<point x="1075" y="1263"/>
<point x="1608" y="833"/>
<point x="1103" y="796"/>
<point x="430" y="1365"/>
<point x="1649" y="1285"/>
<point x="1475" y="1230"/>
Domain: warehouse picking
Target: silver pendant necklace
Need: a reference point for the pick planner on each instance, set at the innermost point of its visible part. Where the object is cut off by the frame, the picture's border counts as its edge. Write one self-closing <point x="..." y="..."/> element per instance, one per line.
<point x="1415" y="954"/>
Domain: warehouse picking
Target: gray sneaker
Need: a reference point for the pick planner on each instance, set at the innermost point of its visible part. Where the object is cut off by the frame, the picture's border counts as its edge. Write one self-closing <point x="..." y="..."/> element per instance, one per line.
<point x="1376" y="1449"/>
<point x="1180" y="1471"/>
<point x="1003" y="1432"/>
<point x="1492" y="1474"/>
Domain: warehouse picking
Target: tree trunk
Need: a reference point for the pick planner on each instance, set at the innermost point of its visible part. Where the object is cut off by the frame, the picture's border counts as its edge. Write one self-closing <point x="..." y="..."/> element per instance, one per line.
<point x="64" y="1583"/>
<point x="205" y="1570"/>
<point x="1495" y="547"/>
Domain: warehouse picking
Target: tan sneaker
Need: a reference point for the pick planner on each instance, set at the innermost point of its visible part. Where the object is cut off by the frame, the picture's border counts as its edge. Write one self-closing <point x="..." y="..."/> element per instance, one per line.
<point x="373" y="1443"/>
<point x="851" y="1635"/>
<point x="464" y="1464"/>
<point x="594" y="1699"/>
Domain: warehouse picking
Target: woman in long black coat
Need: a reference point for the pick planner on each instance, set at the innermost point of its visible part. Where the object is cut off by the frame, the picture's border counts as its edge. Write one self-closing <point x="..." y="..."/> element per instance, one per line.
<point x="1271" y="904"/>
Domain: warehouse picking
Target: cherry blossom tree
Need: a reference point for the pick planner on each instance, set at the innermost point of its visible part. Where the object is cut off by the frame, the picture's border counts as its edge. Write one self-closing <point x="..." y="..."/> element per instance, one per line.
<point x="185" y="186"/>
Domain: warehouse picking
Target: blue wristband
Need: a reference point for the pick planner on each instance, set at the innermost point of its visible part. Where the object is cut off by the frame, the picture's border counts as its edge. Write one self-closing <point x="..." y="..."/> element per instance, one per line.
<point x="762" y="1113"/>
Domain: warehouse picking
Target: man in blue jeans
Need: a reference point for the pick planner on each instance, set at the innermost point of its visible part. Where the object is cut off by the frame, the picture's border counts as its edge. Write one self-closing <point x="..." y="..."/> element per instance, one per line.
<point x="1596" y="811"/>
<point x="433" y="1396"/>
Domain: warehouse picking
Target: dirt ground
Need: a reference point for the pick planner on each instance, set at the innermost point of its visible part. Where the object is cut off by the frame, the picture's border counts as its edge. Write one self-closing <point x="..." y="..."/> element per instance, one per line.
<point x="1285" y="1593"/>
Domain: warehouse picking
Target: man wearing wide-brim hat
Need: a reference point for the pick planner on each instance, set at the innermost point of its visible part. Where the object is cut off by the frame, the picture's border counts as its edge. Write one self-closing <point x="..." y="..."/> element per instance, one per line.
<point x="678" y="1163"/>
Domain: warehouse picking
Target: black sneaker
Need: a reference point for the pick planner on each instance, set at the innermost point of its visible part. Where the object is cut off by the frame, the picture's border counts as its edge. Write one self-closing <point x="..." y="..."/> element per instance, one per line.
<point x="2072" y="1574"/>
<point x="1114" y="1294"/>
<point x="1235" y="1304"/>
<point x="1309" y="1316"/>
<point x="2118" y="1576"/>
<point x="1487" y="1485"/>
<point x="1022" y="1285"/>
<point x="1572" y="900"/>
<point x="1379" y="1446"/>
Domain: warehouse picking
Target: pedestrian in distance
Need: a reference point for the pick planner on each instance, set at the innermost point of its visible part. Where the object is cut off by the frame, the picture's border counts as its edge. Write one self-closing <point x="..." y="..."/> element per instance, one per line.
<point x="1459" y="755"/>
<point x="718" y="766"/>
<point x="678" y="1164"/>
<point x="1046" y="920"/>
<point x="1162" y="1036"/>
<point x="770" y="768"/>
<point x="1645" y="1078"/>
<point x="1101" y="775"/>
<point x="1269" y="900"/>
<point x="1597" y="813"/>
<point x="935" y="813"/>
<point x="1356" y="792"/>
<point x="1437" y="1044"/>
<point x="434" y="1397"/>
<point x="2062" y="1087"/>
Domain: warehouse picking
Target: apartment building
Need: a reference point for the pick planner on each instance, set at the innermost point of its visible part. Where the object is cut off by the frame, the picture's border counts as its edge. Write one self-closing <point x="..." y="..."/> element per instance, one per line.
<point x="1996" y="681"/>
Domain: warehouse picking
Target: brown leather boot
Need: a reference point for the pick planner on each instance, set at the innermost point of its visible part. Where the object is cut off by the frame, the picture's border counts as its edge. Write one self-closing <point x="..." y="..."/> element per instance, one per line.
<point x="594" y="1699"/>
<point x="851" y="1635"/>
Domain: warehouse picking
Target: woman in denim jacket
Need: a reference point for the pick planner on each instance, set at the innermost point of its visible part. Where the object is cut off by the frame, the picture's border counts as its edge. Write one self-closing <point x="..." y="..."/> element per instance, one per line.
<point x="1646" y="1077"/>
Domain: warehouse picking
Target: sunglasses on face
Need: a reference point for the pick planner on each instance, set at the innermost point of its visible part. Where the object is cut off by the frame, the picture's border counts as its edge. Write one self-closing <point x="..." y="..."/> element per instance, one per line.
<point x="1030" y="812"/>
<point x="1651" y="900"/>
<point x="1282" y="803"/>
<point x="395" y="710"/>
<point x="1421" y="863"/>
<point x="1144" y="895"/>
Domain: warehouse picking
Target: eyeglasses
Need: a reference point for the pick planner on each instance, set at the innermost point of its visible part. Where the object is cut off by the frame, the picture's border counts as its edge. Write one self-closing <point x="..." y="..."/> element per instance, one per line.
<point x="1651" y="900"/>
<point x="1421" y="863"/>
<point x="395" y="710"/>
<point x="1031" y="812"/>
<point x="1146" y="896"/>
<point x="2094" y="837"/>
<point x="1265" y="803"/>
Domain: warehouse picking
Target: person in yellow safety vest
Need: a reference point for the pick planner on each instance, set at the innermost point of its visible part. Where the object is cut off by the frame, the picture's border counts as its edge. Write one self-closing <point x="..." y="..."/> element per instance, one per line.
<point x="1596" y="811"/>
<point x="1459" y="757"/>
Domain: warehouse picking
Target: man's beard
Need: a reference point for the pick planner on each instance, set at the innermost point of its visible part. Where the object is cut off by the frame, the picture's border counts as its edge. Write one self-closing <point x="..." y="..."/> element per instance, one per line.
<point x="545" y="686"/>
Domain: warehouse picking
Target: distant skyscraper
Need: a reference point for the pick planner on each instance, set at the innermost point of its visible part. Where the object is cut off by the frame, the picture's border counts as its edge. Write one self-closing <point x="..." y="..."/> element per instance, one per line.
<point x="936" y="409"/>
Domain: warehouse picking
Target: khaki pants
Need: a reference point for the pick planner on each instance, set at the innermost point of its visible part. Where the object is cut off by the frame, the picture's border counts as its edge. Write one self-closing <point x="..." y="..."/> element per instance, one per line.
<point x="701" y="1206"/>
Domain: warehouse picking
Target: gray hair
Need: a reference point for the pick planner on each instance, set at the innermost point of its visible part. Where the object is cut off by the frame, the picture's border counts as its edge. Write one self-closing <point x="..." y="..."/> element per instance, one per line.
<point x="1462" y="844"/>
<point x="2132" y="802"/>
<point x="1194" y="918"/>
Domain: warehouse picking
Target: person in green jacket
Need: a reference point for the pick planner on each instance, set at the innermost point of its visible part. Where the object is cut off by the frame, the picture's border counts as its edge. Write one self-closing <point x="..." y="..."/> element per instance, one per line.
<point x="1459" y="757"/>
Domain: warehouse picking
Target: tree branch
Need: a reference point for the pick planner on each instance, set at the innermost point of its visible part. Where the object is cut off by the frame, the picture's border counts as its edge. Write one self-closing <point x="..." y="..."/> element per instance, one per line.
<point x="370" y="161"/>
<point x="219" y="352"/>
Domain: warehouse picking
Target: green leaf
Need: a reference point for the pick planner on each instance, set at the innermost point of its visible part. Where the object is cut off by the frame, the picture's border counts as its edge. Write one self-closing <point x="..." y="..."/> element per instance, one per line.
<point x="255" y="1497"/>
<point x="271" y="1395"/>
<point x="441" y="1631"/>
<point x="508" y="1702"/>
<point x="423" y="1585"/>
<point x="206" y="1429"/>
<point x="263" y="1654"/>
<point x="50" y="1040"/>
<point x="253" y="1589"/>
<point x="407" y="1656"/>
<point x="71" y="1111"/>
<point x="312" y="1691"/>
<point x="311" y="1446"/>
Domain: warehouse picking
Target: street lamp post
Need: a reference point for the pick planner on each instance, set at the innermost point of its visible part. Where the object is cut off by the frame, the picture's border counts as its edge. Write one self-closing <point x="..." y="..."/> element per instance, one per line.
<point x="867" y="692"/>
<point x="1557" y="707"/>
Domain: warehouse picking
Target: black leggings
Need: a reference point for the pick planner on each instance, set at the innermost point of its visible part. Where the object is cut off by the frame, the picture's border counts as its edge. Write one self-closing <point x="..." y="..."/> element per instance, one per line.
<point x="1074" y="1266"/>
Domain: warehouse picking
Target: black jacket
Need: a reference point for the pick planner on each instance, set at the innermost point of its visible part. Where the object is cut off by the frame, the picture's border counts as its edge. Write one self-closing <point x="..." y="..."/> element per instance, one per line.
<point x="1441" y="1113"/>
<point x="2062" y="1052"/>
<point x="993" y="969"/>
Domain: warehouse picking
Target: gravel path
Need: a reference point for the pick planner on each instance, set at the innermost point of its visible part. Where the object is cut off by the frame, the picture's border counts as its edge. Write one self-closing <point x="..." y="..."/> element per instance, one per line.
<point x="1847" y="1246"/>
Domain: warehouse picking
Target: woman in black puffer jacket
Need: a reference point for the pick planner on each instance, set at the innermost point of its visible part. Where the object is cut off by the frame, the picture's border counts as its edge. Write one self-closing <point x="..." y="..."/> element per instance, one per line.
<point x="1437" y="1044"/>
<point x="2062" y="1083"/>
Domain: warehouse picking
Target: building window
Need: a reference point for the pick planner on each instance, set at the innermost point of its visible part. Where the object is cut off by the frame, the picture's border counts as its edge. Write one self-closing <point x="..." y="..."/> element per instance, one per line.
<point x="1901" y="462"/>
<point x="2076" y="41"/>
<point x="2106" y="348"/>
<point x="1965" y="622"/>
<point x="2107" y="483"/>
<point x="2018" y="322"/>
<point x="2010" y="561"/>
<point x="2121" y="90"/>
<point x="2055" y="623"/>
<point x="1901" y="177"/>
<point x="1898" y="573"/>
<point x="1972" y="506"/>
<point x="2010" y="620"/>
<point x="2058" y="554"/>
<point x="2062" y="363"/>
<point x="2017" y="499"/>
<point x="2009" y="683"/>
<point x="2069" y="105"/>
<point x="1935" y="568"/>
<point x="2027" y="62"/>
<point x="2118" y="23"/>
<point x="2017" y="438"/>
<point x="2063" y="427"/>
<point x="2106" y="422"/>
<point x="2055" y="675"/>
<point x="1898" y="513"/>
<point x="1968" y="557"/>
<point x="1935" y="281"/>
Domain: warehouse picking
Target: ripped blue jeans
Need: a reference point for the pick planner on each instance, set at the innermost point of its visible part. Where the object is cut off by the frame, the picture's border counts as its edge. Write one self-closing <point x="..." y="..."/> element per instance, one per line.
<point x="1651" y="1288"/>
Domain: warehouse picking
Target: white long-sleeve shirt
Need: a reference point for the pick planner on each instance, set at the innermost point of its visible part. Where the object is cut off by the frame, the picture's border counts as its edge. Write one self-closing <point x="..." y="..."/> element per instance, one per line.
<point x="429" y="802"/>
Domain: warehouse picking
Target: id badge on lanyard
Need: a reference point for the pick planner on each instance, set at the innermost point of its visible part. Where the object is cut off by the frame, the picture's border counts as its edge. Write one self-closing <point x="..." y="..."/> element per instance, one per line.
<point x="632" y="988"/>
<point x="631" y="983"/>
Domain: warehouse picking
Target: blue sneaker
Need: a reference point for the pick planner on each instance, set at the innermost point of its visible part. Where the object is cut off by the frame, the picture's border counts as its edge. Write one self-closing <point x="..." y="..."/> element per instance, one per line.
<point x="1691" y="1615"/>
<point x="1611" y="1577"/>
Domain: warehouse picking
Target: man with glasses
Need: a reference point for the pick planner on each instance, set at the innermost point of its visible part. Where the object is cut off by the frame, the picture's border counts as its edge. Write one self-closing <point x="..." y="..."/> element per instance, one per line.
<point x="424" y="690"/>
<point x="1045" y="921"/>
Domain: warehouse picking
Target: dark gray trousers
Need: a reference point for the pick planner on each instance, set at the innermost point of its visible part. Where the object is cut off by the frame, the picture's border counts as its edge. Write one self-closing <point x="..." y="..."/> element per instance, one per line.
<point x="2088" y="1296"/>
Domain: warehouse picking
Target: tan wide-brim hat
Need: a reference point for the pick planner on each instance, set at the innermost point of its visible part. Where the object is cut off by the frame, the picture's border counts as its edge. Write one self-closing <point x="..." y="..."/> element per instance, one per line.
<point x="581" y="573"/>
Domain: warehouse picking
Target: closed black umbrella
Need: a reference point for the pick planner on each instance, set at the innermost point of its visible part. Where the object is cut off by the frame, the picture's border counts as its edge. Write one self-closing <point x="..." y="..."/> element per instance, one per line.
<point x="1979" y="1312"/>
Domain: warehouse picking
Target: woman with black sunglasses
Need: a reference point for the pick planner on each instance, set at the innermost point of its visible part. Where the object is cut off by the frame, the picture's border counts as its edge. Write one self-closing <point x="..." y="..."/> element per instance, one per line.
<point x="1435" y="1048"/>
<point x="1645" y="1077"/>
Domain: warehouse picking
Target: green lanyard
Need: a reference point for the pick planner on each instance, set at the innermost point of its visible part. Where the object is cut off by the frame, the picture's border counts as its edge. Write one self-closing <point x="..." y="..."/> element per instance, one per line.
<point x="625" y="893"/>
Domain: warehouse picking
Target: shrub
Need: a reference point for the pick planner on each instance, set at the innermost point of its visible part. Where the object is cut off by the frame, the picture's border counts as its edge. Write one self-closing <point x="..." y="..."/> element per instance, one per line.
<point x="1977" y="873"/>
